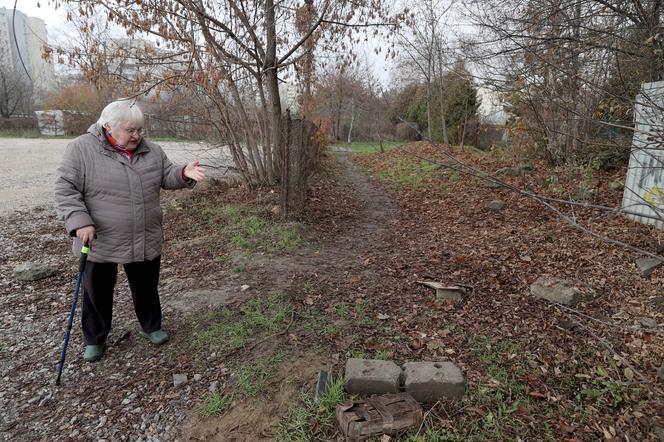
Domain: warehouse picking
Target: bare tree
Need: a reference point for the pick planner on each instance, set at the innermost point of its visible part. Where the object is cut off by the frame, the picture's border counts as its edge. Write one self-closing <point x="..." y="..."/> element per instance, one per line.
<point x="422" y="50"/>
<point x="233" y="54"/>
<point x="15" y="92"/>
<point x="563" y="65"/>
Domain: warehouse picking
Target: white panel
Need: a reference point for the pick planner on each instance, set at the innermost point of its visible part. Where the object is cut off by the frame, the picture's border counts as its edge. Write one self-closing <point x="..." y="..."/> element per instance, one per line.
<point x="644" y="185"/>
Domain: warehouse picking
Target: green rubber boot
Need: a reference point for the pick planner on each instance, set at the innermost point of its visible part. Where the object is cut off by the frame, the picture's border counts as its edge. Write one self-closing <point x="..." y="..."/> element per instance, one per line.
<point x="93" y="353"/>
<point x="156" y="337"/>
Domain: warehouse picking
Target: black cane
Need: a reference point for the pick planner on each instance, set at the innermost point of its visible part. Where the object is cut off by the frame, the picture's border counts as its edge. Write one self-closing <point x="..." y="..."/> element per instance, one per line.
<point x="81" y="267"/>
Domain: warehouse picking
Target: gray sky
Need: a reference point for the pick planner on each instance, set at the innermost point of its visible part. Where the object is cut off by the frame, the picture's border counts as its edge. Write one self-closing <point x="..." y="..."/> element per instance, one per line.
<point x="54" y="18"/>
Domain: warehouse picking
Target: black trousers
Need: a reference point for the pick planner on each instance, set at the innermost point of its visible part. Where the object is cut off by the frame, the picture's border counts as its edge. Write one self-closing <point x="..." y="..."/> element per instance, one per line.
<point x="98" y="286"/>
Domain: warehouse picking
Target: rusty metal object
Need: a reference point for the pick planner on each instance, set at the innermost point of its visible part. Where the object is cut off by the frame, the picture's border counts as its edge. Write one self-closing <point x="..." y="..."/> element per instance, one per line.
<point x="376" y="415"/>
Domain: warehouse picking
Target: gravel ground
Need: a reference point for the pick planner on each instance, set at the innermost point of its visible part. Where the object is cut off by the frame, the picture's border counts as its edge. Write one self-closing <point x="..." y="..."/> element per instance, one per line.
<point x="131" y="396"/>
<point x="28" y="168"/>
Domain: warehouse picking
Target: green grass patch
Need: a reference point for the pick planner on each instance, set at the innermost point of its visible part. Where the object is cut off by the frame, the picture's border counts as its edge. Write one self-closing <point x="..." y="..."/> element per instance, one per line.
<point x="501" y="400"/>
<point x="228" y="329"/>
<point x="309" y="420"/>
<point x="406" y="172"/>
<point x="214" y="403"/>
<point x="604" y="391"/>
<point x="367" y="146"/>
<point x="252" y="378"/>
<point x="249" y="230"/>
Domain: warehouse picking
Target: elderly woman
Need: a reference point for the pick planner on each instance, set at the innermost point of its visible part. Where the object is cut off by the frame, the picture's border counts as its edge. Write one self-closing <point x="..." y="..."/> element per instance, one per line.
<point x="107" y="191"/>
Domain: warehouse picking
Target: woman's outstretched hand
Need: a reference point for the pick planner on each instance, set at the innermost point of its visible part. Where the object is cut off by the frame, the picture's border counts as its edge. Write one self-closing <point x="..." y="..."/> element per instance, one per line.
<point x="194" y="171"/>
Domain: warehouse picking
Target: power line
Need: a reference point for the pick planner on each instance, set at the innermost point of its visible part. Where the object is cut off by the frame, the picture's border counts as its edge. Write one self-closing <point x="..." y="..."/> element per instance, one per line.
<point x="18" y="50"/>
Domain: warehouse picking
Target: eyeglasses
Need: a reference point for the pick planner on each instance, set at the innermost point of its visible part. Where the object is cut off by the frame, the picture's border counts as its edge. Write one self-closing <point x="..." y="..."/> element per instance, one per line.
<point x="138" y="131"/>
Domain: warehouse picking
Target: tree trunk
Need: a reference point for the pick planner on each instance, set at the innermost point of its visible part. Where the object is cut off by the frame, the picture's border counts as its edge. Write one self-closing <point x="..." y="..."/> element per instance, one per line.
<point x="429" y="108"/>
<point x="443" y="113"/>
<point x="352" y="119"/>
<point x="271" y="71"/>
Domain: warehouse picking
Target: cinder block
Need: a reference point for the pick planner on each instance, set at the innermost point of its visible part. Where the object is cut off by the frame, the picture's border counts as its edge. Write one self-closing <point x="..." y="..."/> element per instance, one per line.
<point x="372" y="376"/>
<point x="429" y="382"/>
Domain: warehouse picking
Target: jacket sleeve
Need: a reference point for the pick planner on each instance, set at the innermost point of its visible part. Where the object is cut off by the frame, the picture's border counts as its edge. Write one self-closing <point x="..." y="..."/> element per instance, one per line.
<point x="172" y="176"/>
<point x="69" y="186"/>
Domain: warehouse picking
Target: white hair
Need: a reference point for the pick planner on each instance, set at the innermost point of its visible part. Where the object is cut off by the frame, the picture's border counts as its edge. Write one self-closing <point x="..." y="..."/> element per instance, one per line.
<point x="119" y="112"/>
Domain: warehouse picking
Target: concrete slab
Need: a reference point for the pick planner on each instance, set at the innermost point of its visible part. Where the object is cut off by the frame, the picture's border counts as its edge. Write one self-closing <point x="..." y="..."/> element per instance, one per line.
<point x="372" y="376"/>
<point x="556" y="290"/>
<point x="429" y="382"/>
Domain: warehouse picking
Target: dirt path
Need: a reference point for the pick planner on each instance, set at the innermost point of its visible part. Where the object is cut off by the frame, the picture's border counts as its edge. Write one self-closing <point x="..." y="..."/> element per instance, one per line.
<point x="130" y="394"/>
<point x="345" y="255"/>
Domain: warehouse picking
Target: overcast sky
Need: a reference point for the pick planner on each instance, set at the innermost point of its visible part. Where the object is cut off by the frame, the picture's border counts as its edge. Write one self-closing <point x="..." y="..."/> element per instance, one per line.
<point x="54" y="18"/>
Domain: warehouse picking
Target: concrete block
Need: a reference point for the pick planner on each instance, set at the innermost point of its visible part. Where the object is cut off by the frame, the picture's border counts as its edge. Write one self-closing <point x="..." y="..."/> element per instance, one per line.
<point x="648" y="265"/>
<point x="372" y="376"/>
<point x="429" y="382"/>
<point x="496" y="205"/>
<point x="556" y="290"/>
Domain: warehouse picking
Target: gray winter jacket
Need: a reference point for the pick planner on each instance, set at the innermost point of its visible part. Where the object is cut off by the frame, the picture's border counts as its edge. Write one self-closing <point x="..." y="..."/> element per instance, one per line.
<point x="96" y="185"/>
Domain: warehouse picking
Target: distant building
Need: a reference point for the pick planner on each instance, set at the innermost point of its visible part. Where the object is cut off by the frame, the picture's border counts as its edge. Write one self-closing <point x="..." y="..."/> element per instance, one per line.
<point x="290" y="97"/>
<point x="27" y="45"/>
<point x="491" y="109"/>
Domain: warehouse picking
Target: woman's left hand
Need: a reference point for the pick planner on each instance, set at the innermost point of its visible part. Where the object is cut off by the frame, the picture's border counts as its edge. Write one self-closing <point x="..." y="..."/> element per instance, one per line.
<point x="194" y="171"/>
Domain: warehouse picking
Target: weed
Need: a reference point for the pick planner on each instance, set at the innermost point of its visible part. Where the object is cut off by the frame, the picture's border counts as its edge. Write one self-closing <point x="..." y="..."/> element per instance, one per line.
<point x="408" y="173"/>
<point x="356" y="353"/>
<point x="310" y="286"/>
<point x="311" y="421"/>
<point x="252" y="378"/>
<point x="228" y="329"/>
<point x="604" y="390"/>
<point x="382" y="355"/>
<point x="342" y="311"/>
<point x="214" y="403"/>
<point x="249" y="231"/>
<point x="220" y="259"/>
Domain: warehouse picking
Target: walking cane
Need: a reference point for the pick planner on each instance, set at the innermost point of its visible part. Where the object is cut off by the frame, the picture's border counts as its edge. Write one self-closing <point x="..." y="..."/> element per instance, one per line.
<point x="81" y="267"/>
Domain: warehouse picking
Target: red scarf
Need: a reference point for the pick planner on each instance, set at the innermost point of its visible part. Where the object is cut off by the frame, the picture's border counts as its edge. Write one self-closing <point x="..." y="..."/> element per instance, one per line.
<point x="128" y="154"/>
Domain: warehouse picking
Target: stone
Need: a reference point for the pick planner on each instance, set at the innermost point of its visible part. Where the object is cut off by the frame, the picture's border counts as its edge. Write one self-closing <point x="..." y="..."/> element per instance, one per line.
<point x="428" y="382"/>
<point x="496" y="205"/>
<point x="616" y="186"/>
<point x="647" y="265"/>
<point x="493" y="184"/>
<point x="179" y="379"/>
<point x="659" y="432"/>
<point x="214" y="387"/>
<point x="658" y="303"/>
<point x="648" y="323"/>
<point x="197" y="377"/>
<point x="372" y="376"/>
<point x="510" y="171"/>
<point x="33" y="271"/>
<point x="554" y="289"/>
<point x="443" y="291"/>
<point x="526" y="166"/>
<point x="585" y="193"/>
<point x="660" y="373"/>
